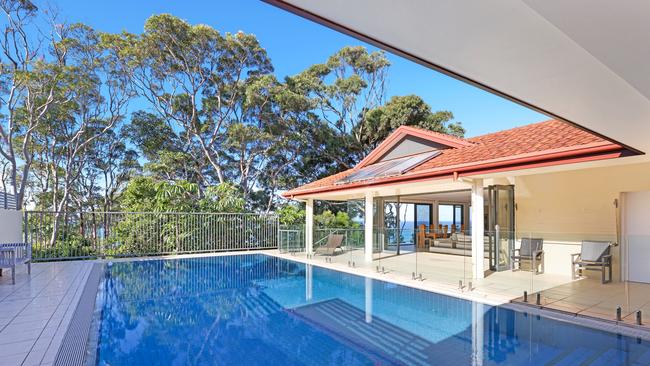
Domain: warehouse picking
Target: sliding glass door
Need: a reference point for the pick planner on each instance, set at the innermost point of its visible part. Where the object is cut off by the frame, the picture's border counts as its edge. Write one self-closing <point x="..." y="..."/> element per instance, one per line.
<point x="402" y="220"/>
<point x="501" y="226"/>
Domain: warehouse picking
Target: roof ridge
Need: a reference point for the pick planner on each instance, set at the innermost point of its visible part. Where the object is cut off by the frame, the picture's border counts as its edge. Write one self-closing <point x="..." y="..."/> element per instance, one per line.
<point x="445" y="135"/>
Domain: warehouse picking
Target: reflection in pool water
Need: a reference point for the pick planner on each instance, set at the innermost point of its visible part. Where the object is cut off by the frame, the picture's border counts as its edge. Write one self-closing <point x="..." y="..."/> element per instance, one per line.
<point x="263" y="310"/>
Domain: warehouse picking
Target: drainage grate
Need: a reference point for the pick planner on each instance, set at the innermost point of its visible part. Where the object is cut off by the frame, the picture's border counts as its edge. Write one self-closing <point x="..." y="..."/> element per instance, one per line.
<point x="73" y="348"/>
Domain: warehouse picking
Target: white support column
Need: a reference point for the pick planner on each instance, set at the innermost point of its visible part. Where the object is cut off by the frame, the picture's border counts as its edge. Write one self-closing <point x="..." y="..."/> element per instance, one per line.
<point x="309" y="226"/>
<point x="477" y="229"/>
<point x="368" y="226"/>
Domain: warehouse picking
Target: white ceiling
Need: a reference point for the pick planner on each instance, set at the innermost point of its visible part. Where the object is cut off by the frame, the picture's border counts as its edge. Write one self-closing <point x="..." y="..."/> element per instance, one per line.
<point x="587" y="61"/>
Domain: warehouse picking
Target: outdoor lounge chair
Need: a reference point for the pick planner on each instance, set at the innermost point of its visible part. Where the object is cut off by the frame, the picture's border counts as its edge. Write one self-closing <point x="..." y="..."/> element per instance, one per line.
<point x="12" y="254"/>
<point x="531" y="250"/>
<point x="594" y="256"/>
<point x="333" y="242"/>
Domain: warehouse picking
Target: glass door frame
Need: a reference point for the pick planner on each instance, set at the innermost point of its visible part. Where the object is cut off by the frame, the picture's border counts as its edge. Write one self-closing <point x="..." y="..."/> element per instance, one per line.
<point x="493" y="219"/>
<point x="396" y="200"/>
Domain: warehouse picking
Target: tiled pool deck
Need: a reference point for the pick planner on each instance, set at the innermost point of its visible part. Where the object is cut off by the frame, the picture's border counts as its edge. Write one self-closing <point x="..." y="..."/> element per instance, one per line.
<point x="584" y="301"/>
<point x="441" y="273"/>
<point x="592" y="299"/>
<point x="36" y="311"/>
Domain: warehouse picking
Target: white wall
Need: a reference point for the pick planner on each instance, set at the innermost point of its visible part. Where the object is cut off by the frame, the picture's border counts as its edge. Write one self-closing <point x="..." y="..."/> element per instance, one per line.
<point x="635" y="212"/>
<point x="11" y="226"/>
<point x="567" y="207"/>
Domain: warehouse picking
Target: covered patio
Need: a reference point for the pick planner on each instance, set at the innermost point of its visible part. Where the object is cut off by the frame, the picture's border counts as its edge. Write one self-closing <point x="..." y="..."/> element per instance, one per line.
<point x="457" y="215"/>
<point x="414" y="221"/>
<point x="424" y="192"/>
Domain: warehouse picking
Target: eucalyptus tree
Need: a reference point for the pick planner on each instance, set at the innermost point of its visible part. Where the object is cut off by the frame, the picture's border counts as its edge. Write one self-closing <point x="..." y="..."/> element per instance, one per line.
<point x="167" y="155"/>
<point x="230" y="120"/>
<point x="343" y="89"/>
<point x="196" y="79"/>
<point x="291" y="121"/>
<point x="265" y="146"/>
<point x="99" y="92"/>
<point x="348" y="92"/>
<point x="115" y="163"/>
<point x="29" y="79"/>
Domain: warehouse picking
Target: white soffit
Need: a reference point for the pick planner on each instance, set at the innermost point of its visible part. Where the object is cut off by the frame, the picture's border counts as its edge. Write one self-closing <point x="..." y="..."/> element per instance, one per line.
<point x="585" y="61"/>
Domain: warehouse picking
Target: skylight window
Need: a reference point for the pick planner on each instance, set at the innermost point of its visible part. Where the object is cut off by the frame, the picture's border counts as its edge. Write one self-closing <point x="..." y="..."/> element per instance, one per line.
<point x="389" y="168"/>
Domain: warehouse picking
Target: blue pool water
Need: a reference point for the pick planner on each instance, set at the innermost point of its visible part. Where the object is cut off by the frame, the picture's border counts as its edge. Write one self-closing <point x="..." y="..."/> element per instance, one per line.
<point x="262" y="310"/>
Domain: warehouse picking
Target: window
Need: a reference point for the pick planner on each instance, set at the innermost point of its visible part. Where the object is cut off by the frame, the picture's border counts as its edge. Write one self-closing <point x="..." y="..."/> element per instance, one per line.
<point x="402" y="221"/>
<point x="450" y="215"/>
<point x="422" y="215"/>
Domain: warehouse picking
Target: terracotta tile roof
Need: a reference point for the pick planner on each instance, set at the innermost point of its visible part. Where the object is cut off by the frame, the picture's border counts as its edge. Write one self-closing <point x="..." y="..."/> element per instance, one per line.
<point x="527" y="139"/>
<point x="323" y="182"/>
<point x="534" y="142"/>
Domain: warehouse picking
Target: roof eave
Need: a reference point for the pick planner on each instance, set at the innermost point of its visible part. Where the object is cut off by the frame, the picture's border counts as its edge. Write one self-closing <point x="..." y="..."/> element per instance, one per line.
<point x="544" y="159"/>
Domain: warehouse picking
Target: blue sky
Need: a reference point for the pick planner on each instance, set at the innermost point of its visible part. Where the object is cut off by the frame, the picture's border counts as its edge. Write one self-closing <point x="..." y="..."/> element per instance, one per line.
<point x="294" y="43"/>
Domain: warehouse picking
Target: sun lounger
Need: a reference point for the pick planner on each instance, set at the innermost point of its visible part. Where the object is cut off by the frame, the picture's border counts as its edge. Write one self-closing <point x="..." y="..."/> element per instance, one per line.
<point x="594" y="256"/>
<point x="531" y="250"/>
<point x="333" y="242"/>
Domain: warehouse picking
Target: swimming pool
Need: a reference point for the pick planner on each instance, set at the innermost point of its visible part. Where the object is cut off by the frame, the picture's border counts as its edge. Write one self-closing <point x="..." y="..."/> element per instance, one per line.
<point x="262" y="310"/>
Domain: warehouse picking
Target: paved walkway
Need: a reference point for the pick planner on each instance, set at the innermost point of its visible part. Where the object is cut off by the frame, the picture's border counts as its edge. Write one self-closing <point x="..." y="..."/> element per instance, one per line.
<point x="36" y="311"/>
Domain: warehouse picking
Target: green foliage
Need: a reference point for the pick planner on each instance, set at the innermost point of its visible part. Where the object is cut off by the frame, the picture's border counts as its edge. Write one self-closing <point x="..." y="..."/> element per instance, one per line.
<point x="151" y="135"/>
<point x="219" y="132"/>
<point x="205" y="86"/>
<point x="171" y="166"/>
<point x="408" y="110"/>
<point x="181" y="232"/>
<point x="145" y="194"/>
<point x="347" y="94"/>
<point x="222" y="198"/>
<point x="70" y="243"/>
<point x="341" y="219"/>
<point x="291" y="215"/>
<point x="341" y="91"/>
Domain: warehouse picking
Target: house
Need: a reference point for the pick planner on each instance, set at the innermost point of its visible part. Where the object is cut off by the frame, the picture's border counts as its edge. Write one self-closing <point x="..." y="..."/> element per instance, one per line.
<point x="549" y="180"/>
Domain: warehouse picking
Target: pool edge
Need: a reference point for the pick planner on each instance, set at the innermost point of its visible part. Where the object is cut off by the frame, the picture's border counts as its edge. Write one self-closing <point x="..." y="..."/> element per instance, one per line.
<point x="74" y="346"/>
